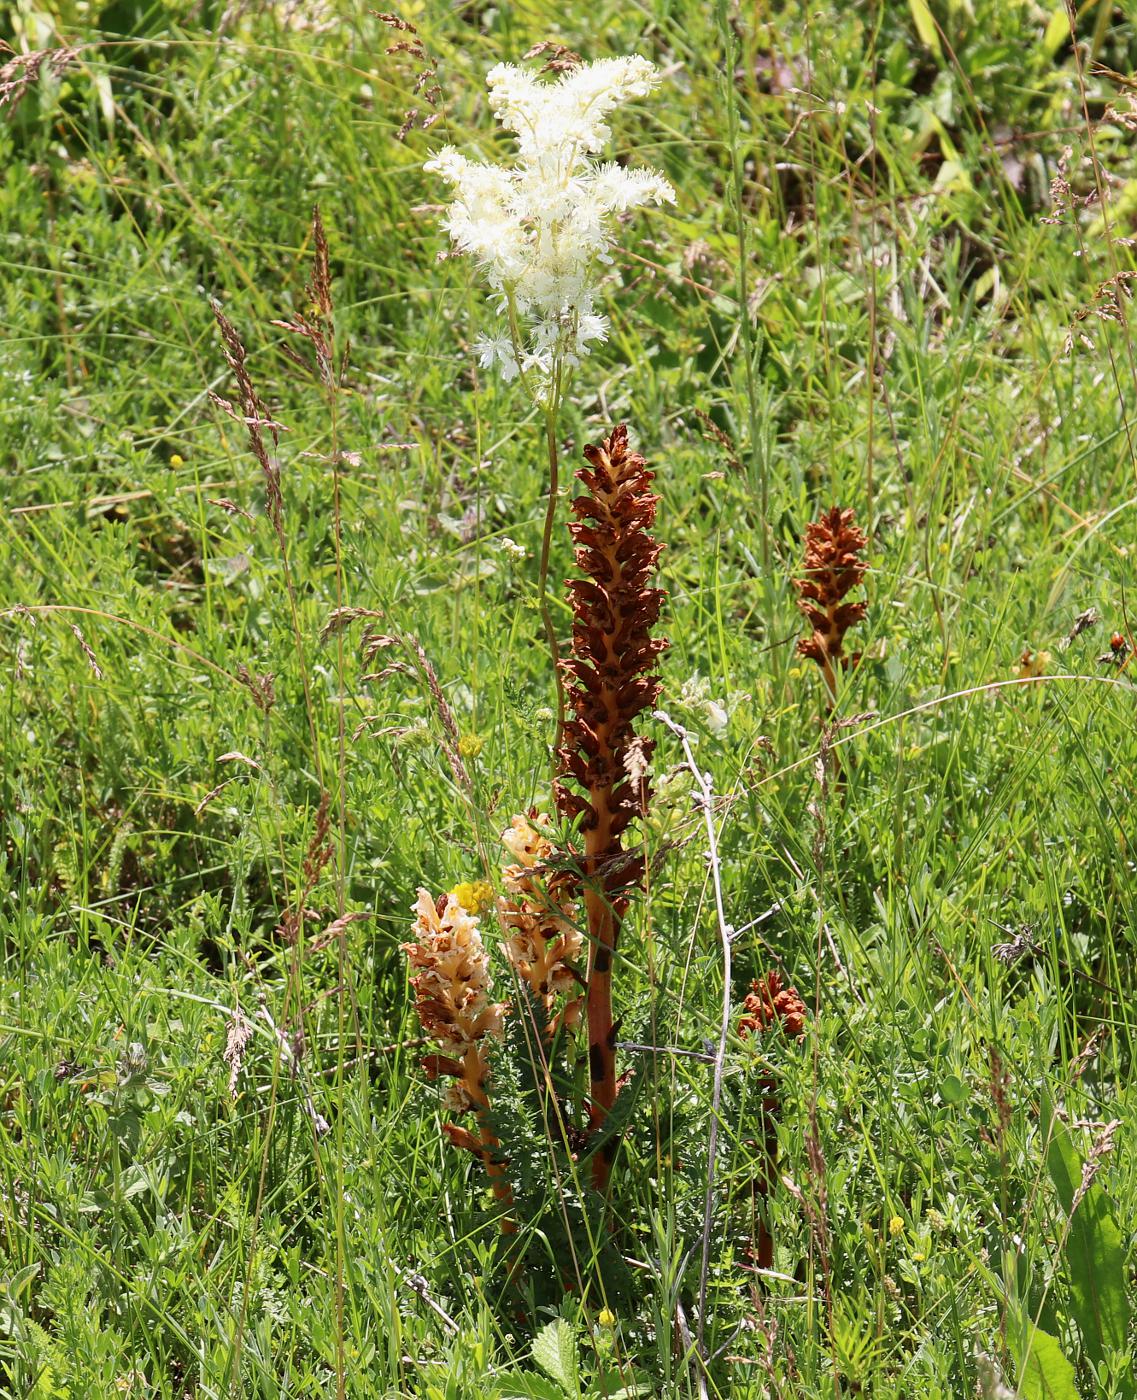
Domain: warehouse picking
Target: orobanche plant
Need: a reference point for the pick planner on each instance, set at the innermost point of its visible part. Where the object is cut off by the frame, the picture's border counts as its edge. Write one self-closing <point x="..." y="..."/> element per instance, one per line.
<point x="540" y="231"/>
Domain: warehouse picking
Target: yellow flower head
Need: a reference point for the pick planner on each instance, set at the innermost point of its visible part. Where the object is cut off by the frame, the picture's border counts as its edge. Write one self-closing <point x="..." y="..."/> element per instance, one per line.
<point x="470" y="745"/>
<point x="474" y="896"/>
<point x="895" y="1226"/>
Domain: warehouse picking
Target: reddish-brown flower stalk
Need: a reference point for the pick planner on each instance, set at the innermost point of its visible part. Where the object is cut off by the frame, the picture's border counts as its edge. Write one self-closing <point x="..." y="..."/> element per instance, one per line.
<point x="452" y="1000"/>
<point x="833" y="567"/>
<point x="767" y="1006"/>
<point x="610" y="671"/>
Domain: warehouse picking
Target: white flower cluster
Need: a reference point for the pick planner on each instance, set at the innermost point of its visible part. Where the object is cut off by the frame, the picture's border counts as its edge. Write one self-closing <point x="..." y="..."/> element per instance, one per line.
<point x="539" y="228"/>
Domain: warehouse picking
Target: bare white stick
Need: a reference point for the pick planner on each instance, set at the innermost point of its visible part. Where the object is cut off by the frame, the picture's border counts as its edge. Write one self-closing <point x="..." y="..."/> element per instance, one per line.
<point x="704" y="799"/>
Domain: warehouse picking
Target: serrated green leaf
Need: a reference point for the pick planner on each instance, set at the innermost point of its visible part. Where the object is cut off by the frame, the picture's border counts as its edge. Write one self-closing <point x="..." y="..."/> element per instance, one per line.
<point x="1044" y="1373"/>
<point x="554" y="1350"/>
<point x="525" y="1386"/>
<point x="1094" y="1251"/>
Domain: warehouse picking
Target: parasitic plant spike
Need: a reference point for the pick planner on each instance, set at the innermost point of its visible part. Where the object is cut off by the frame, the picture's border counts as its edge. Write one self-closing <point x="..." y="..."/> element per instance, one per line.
<point x="833" y="567"/>
<point x="538" y="913"/>
<point x="768" y="1006"/>
<point x="452" y="987"/>
<point x="610" y="672"/>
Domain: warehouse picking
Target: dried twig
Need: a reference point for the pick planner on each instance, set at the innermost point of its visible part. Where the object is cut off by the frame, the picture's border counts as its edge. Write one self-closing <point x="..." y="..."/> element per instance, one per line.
<point x="704" y="800"/>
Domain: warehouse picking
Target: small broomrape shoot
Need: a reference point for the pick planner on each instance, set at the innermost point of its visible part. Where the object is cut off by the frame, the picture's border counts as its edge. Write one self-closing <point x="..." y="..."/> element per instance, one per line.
<point x="833" y="567"/>
<point x="452" y="987"/>
<point x="537" y="911"/>
<point x="768" y="1006"/>
<point x="611" y="668"/>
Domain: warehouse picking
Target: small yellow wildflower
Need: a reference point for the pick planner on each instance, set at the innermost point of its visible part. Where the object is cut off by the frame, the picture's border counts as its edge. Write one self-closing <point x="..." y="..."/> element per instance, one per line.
<point x="470" y="745"/>
<point x="606" y="1319"/>
<point x="895" y="1226"/>
<point x="176" y="460"/>
<point x="474" y="896"/>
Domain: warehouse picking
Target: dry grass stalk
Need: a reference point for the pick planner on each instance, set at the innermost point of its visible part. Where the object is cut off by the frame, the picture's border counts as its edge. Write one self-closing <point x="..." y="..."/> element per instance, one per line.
<point x="238" y="1035"/>
<point x="255" y="417"/>
<point x="316" y="323"/>
<point x="261" y="688"/>
<point x="426" y="79"/>
<point x="451" y="738"/>
<point x="612" y="682"/>
<point x="769" y="1007"/>
<point x="229" y="507"/>
<point x="212" y="795"/>
<point x="452" y="998"/>
<point x="561" y="58"/>
<point x="341" y="618"/>
<point x="1100" y="1149"/>
<point x="92" y="659"/>
<point x="833" y="567"/>
<point x="23" y="71"/>
<point x="337" y="928"/>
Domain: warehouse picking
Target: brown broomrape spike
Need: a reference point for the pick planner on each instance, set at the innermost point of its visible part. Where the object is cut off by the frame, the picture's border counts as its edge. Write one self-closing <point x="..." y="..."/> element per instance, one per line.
<point x="538" y="912"/>
<point x="610" y="671"/>
<point x="452" y="990"/>
<point x="767" y="1006"/>
<point x="833" y="567"/>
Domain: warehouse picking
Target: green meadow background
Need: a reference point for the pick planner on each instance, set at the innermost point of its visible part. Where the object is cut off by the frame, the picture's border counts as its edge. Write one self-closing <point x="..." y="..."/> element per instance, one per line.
<point x="896" y="279"/>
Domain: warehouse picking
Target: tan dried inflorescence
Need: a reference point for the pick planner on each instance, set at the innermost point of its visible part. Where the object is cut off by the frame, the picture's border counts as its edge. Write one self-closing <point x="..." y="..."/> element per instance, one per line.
<point x="611" y="671"/>
<point x="539" y="915"/>
<point x="833" y="567"/>
<point x="452" y="997"/>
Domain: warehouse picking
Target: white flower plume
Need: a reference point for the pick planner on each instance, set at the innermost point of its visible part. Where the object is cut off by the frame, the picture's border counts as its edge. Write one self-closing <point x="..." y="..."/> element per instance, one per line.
<point x="539" y="229"/>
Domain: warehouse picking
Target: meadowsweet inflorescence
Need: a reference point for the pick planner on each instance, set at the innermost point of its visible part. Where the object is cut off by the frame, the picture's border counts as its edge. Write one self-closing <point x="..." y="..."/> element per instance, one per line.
<point x="539" y="228"/>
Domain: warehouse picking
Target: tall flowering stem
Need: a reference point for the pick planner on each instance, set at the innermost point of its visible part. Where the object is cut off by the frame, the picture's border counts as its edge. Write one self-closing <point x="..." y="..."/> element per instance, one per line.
<point x="612" y="682"/>
<point x="452" y="986"/>
<point x="833" y="567"/>
<point x="540" y="231"/>
<point x="769" y="1006"/>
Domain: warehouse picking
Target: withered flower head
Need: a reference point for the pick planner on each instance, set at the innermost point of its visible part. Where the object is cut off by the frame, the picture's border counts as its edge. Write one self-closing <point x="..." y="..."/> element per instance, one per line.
<point x="833" y="567"/>
<point x="452" y="998"/>
<point x="540" y="917"/>
<point x="769" y="1003"/>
